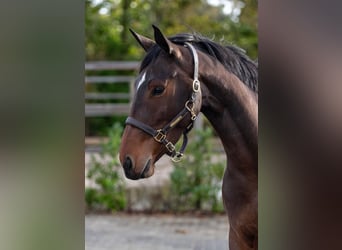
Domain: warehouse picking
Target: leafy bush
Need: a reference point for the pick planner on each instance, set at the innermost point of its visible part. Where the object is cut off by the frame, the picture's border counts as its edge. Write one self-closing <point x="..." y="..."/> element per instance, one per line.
<point x="109" y="193"/>
<point x="196" y="181"/>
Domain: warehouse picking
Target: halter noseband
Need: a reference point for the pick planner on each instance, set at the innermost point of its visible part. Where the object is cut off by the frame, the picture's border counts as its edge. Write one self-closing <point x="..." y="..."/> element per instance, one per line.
<point x="159" y="135"/>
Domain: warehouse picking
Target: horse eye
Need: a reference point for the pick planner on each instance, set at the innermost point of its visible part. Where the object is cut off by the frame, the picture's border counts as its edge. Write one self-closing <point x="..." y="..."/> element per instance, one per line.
<point x="158" y="90"/>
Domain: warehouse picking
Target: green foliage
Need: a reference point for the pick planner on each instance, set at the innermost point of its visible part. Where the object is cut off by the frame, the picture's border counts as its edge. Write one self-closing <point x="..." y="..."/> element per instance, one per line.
<point x="108" y="37"/>
<point x="196" y="181"/>
<point x="109" y="193"/>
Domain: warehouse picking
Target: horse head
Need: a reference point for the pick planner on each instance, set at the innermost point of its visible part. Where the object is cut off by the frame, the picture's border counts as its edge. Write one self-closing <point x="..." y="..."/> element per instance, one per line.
<point x="166" y="102"/>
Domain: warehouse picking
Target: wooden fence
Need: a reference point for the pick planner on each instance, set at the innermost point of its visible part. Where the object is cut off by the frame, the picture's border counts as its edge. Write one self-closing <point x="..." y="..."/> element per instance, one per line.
<point x="109" y="109"/>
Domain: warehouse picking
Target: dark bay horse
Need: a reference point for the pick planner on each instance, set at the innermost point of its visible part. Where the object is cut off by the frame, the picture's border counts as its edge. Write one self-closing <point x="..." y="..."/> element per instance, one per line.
<point x="179" y="77"/>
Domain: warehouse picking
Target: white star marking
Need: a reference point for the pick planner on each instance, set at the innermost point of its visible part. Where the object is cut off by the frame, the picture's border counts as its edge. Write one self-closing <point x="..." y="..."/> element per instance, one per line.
<point x="141" y="80"/>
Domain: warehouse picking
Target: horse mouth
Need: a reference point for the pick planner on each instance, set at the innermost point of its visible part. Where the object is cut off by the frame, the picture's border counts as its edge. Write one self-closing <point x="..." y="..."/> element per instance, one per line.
<point x="146" y="170"/>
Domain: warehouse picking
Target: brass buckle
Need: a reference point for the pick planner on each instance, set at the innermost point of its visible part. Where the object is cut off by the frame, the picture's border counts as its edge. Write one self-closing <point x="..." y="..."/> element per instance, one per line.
<point x="170" y="147"/>
<point x="160" y="136"/>
<point x="196" y="85"/>
<point x="178" y="157"/>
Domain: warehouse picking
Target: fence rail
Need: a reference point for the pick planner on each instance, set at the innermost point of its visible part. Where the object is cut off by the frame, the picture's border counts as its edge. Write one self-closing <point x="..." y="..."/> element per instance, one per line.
<point x="108" y="79"/>
<point x="109" y="109"/>
<point x="95" y="110"/>
<point x="112" y="65"/>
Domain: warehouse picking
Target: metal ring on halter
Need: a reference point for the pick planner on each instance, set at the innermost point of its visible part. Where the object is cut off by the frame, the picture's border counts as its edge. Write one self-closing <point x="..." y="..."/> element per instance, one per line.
<point x="196" y="85"/>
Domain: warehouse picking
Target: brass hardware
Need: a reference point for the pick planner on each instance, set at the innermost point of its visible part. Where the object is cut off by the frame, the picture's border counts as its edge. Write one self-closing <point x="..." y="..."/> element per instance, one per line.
<point x="177" y="158"/>
<point x="170" y="146"/>
<point x="187" y="105"/>
<point x="176" y="121"/>
<point x="191" y="109"/>
<point x="160" y="136"/>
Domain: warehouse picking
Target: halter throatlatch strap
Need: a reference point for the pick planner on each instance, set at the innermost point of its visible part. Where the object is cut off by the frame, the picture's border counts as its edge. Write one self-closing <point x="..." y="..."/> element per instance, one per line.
<point x="159" y="135"/>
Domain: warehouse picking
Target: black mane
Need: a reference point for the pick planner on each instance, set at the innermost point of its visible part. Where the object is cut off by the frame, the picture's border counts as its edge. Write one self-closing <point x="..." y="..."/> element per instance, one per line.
<point x="233" y="58"/>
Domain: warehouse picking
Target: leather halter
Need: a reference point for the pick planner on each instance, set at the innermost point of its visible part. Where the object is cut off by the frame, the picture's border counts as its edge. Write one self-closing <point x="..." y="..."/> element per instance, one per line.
<point x="159" y="135"/>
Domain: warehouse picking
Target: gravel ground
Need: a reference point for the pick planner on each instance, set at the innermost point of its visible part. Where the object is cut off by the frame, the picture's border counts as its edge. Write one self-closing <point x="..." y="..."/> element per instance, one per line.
<point x="155" y="232"/>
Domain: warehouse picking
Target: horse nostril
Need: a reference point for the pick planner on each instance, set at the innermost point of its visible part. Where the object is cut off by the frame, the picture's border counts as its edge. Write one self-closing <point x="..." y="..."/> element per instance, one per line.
<point x="128" y="163"/>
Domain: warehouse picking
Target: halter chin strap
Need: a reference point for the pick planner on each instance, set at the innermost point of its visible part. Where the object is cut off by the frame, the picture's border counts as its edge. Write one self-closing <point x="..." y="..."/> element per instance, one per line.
<point x="159" y="135"/>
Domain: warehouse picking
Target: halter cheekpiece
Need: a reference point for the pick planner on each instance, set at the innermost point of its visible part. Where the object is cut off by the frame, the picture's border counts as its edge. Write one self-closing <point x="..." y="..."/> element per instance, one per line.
<point x="159" y="135"/>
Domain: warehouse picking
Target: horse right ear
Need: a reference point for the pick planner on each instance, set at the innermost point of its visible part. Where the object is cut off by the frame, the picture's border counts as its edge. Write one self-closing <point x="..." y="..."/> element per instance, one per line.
<point x="144" y="42"/>
<point x="165" y="43"/>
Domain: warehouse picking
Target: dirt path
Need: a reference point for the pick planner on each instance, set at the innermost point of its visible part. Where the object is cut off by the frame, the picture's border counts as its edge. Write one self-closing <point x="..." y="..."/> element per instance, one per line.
<point x="155" y="232"/>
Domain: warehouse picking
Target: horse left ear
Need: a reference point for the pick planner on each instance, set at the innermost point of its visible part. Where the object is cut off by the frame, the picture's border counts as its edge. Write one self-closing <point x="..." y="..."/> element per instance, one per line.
<point x="144" y="42"/>
<point x="165" y="43"/>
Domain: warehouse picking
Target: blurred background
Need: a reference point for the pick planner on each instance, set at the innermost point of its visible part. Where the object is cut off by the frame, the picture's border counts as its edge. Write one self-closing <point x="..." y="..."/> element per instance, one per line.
<point x="42" y="60"/>
<point x="44" y="46"/>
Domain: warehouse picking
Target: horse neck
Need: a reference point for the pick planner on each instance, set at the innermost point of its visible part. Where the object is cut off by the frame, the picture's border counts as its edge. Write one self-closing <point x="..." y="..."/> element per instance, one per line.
<point x="231" y="107"/>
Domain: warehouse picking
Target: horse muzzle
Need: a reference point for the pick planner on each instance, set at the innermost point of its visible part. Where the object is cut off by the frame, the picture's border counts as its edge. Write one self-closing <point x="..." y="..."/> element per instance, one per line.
<point x="134" y="172"/>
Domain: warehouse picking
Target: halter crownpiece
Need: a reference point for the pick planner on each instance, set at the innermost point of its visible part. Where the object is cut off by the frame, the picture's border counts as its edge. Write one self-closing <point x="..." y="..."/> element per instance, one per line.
<point x="196" y="83"/>
<point x="159" y="135"/>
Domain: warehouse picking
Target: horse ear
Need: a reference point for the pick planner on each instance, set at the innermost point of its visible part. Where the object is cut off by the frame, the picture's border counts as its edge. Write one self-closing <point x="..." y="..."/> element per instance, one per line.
<point x="165" y="43"/>
<point x="144" y="42"/>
